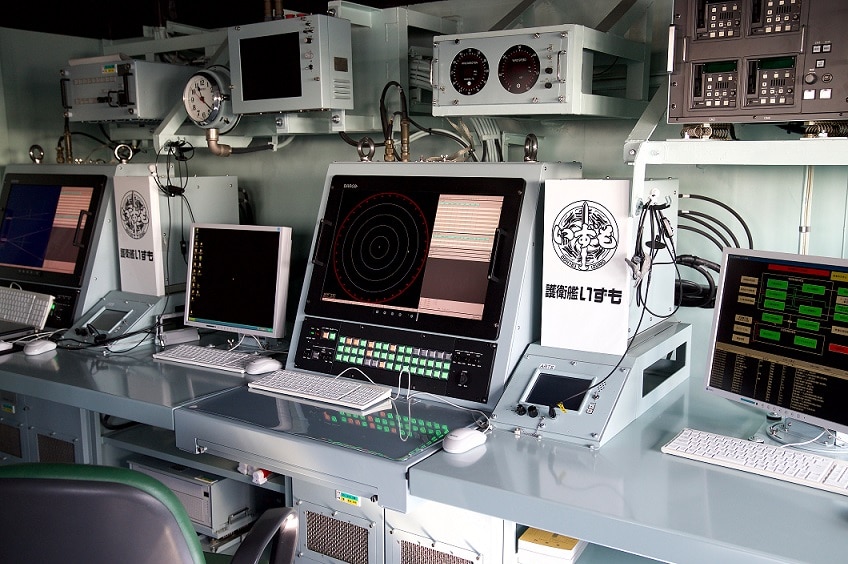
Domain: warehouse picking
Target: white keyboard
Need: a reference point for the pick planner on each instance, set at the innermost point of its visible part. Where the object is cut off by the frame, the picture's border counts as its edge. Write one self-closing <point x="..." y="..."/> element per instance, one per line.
<point x="22" y="306"/>
<point x="342" y="392"/>
<point x="207" y="357"/>
<point x="787" y="464"/>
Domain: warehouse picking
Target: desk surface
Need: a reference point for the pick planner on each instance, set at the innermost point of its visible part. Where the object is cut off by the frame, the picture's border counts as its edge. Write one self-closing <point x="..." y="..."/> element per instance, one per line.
<point x="629" y="496"/>
<point x="129" y="385"/>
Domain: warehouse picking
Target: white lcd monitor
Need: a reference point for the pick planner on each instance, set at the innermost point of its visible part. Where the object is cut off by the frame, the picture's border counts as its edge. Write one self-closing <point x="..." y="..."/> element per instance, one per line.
<point x="780" y="336"/>
<point x="238" y="278"/>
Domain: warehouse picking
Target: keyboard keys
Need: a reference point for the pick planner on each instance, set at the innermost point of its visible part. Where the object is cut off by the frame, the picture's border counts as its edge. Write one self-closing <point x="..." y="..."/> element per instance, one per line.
<point x="207" y="357"/>
<point x="787" y="464"/>
<point x="338" y="391"/>
<point x="28" y="308"/>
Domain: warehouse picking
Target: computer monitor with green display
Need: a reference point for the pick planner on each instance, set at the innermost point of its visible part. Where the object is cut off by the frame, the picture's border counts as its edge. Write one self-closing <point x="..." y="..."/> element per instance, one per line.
<point x="779" y="341"/>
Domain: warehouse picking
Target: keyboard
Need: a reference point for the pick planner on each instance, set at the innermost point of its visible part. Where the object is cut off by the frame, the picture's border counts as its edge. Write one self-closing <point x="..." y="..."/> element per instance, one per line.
<point x="207" y="357"/>
<point x="342" y="392"/>
<point x="787" y="464"/>
<point x="24" y="307"/>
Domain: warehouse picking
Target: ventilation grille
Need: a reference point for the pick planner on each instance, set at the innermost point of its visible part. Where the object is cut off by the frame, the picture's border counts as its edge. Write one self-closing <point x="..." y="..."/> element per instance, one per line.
<point x="51" y="449"/>
<point x="414" y="553"/>
<point x="10" y="440"/>
<point x="336" y="539"/>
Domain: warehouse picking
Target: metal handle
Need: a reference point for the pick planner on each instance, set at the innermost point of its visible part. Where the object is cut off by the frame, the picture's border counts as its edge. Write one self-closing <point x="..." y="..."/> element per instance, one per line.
<point x="493" y="263"/>
<point x="559" y="76"/>
<point x="63" y="88"/>
<point x="672" y="34"/>
<point x="322" y="227"/>
<point x="80" y="228"/>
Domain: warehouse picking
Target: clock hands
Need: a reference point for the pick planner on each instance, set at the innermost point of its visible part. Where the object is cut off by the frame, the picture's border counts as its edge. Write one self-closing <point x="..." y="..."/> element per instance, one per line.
<point x="202" y="99"/>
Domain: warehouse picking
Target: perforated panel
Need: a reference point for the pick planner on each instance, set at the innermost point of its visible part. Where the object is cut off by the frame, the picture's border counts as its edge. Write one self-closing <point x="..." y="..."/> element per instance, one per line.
<point x="414" y="553"/>
<point x="336" y="539"/>
<point x="51" y="449"/>
<point x="10" y="440"/>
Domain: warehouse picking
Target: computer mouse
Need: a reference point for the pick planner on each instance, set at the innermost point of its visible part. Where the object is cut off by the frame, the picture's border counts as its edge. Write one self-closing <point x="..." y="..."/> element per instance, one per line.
<point x="262" y="364"/>
<point x="39" y="346"/>
<point x="463" y="439"/>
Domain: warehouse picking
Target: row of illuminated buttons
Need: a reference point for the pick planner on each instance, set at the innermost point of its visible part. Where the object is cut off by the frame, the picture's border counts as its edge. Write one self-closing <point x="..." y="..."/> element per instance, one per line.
<point x="349" y="343"/>
<point x="776" y="100"/>
<point x="721" y="103"/>
<point x="824" y="94"/>
<point x="441" y="373"/>
<point x="778" y="28"/>
<point x="394" y="357"/>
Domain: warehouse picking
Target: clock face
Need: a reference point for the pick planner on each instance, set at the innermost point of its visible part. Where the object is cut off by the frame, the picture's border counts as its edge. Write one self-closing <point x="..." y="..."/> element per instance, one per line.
<point x="202" y="98"/>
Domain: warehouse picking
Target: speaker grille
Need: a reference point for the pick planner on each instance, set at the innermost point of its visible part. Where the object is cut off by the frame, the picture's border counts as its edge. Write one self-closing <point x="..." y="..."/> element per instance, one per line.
<point x="336" y="539"/>
<point x="51" y="449"/>
<point x="10" y="440"/>
<point x="414" y="553"/>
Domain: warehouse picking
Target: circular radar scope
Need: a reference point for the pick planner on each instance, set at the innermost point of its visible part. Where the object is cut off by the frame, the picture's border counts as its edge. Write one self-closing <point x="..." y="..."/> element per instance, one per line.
<point x="381" y="248"/>
<point x="469" y="71"/>
<point x="518" y="69"/>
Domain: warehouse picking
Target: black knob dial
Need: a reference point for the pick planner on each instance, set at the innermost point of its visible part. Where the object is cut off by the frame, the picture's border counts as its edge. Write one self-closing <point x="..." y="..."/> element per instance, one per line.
<point x="533" y="411"/>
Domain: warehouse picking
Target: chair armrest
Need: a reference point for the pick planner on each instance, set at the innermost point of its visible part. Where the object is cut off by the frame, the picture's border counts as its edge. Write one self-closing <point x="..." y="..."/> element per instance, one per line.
<point x="278" y="527"/>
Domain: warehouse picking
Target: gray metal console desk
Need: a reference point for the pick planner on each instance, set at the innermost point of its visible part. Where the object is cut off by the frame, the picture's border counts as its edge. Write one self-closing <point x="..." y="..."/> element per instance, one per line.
<point x="626" y="495"/>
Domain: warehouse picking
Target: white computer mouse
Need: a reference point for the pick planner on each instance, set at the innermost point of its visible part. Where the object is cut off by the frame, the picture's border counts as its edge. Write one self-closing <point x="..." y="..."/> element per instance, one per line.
<point x="39" y="346"/>
<point x="463" y="439"/>
<point x="262" y="364"/>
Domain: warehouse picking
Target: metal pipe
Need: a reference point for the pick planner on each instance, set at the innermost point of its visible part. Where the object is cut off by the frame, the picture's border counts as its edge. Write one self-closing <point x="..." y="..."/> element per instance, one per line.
<point x="214" y="147"/>
<point x="806" y="209"/>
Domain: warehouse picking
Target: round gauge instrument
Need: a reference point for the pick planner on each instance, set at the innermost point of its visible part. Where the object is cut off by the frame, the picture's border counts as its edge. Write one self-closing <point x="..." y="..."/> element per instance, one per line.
<point x="380" y="248"/>
<point x="518" y="69"/>
<point x="206" y="101"/>
<point x="469" y="71"/>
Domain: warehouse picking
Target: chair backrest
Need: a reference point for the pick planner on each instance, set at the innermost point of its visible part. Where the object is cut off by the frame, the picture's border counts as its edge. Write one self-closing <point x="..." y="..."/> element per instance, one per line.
<point x="84" y="513"/>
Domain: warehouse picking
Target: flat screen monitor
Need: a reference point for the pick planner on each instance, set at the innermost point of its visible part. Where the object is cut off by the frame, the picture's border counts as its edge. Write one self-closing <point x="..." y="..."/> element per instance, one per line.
<point x="291" y="65"/>
<point x="47" y="224"/>
<point x="425" y="253"/>
<point x="238" y="278"/>
<point x="779" y="338"/>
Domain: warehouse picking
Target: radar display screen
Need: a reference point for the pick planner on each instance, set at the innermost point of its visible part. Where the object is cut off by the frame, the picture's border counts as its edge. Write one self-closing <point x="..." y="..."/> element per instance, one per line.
<point x="425" y="253"/>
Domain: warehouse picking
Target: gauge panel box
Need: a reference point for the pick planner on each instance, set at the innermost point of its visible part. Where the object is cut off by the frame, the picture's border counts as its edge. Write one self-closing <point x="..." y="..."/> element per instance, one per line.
<point x="291" y="65"/>
<point x="121" y="90"/>
<point x="540" y="71"/>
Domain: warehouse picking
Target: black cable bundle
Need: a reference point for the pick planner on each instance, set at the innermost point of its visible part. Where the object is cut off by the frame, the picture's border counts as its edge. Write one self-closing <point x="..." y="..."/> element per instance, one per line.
<point x="689" y="293"/>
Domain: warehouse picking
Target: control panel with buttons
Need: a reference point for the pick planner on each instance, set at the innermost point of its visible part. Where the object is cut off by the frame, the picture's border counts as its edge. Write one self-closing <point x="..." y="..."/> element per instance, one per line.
<point x="586" y="398"/>
<point x="748" y="61"/>
<point x="422" y="362"/>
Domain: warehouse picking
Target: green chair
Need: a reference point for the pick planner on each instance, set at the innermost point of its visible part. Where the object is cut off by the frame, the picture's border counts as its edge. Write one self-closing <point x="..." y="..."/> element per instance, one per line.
<point x="75" y="513"/>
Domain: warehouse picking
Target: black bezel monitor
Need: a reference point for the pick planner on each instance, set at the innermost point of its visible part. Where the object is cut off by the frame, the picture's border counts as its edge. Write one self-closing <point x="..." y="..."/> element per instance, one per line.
<point x="425" y="253"/>
<point x="47" y="224"/>
<point x="779" y="338"/>
<point x="238" y="278"/>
